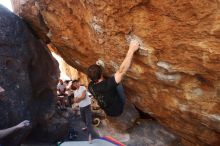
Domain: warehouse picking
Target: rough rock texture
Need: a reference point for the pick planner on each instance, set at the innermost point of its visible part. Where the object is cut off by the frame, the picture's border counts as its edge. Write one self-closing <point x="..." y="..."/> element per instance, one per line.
<point x="144" y="133"/>
<point x="154" y="135"/>
<point x="126" y="120"/>
<point x="175" y="76"/>
<point x="52" y="130"/>
<point x="28" y="77"/>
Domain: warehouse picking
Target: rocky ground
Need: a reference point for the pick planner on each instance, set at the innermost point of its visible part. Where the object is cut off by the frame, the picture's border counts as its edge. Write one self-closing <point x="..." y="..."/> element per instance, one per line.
<point x="75" y="123"/>
<point x="145" y="132"/>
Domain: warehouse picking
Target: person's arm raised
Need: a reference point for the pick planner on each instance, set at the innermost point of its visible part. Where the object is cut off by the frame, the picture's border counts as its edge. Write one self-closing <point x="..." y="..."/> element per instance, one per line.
<point x="134" y="45"/>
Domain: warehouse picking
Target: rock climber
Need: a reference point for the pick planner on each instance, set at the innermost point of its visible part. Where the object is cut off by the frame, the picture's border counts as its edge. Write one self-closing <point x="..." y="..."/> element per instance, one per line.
<point x="109" y="92"/>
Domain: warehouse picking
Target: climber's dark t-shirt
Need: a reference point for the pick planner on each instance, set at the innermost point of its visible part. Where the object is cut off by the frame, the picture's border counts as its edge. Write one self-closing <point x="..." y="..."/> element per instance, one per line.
<point x="107" y="96"/>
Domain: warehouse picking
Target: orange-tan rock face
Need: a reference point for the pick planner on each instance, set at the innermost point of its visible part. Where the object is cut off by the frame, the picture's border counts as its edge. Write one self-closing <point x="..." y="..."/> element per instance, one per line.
<point x="175" y="76"/>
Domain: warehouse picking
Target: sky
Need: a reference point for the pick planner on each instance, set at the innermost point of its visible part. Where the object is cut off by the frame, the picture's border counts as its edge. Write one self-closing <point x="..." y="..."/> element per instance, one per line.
<point x="6" y="3"/>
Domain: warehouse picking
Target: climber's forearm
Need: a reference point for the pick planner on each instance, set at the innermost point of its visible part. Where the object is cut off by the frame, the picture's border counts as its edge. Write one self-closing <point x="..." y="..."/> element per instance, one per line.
<point x="134" y="45"/>
<point x="126" y="63"/>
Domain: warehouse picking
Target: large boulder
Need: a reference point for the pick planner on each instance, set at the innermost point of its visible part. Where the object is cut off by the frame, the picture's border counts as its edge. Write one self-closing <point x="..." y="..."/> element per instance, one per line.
<point x="175" y="77"/>
<point x="28" y="78"/>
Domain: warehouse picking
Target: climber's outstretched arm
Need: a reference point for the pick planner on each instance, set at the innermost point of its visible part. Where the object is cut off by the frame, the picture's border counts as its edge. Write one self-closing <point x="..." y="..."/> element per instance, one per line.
<point x="134" y="45"/>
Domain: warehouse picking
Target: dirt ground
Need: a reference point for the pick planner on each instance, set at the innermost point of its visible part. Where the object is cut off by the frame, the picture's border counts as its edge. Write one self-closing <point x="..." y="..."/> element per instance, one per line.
<point x="76" y="124"/>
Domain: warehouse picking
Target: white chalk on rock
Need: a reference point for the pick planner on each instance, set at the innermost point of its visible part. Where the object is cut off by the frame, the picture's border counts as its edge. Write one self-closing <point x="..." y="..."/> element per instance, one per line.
<point x="213" y="117"/>
<point x="183" y="107"/>
<point x="64" y="37"/>
<point x="114" y="65"/>
<point x="96" y="25"/>
<point x="164" y="65"/>
<point x="168" y="78"/>
<point x="143" y="49"/>
<point x="77" y="62"/>
<point x="197" y="92"/>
